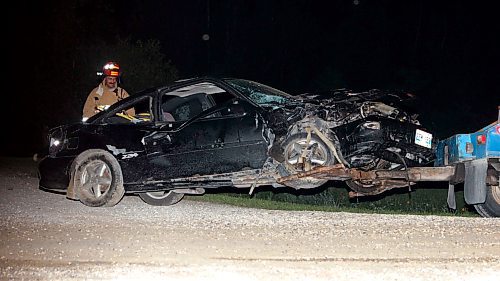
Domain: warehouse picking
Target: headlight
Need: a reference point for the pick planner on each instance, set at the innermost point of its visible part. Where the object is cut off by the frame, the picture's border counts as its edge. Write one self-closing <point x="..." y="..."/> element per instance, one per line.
<point x="56" y="140"/>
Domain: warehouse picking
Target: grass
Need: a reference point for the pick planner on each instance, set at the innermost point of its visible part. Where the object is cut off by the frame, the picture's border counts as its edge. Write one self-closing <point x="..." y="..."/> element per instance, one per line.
<point x="425" y="199"/>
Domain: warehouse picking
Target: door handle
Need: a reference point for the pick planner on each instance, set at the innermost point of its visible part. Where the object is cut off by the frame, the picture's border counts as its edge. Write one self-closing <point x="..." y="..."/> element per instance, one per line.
<point x="154" y="137"/>
<point x="160" y="135"/>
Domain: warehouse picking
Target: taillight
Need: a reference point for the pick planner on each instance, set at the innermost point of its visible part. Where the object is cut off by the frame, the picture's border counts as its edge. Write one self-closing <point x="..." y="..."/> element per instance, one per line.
<point x="469" y="148"/>
<point x="481" y="139"/>
<point x="498" y="129"/>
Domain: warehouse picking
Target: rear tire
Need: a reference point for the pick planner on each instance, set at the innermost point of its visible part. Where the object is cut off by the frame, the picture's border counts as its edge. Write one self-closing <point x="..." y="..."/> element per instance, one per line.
<point x="360" y="187"/>
<point x="161" y="198"/>
<point x="491" y="207"/>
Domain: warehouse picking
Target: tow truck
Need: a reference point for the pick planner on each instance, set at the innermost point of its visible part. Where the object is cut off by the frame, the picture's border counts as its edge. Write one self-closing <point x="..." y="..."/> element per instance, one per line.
<point x="470" y="159"/>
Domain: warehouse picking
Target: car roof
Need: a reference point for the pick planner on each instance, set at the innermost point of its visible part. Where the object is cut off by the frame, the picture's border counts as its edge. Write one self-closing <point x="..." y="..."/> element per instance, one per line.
<point x="183" y="87"/>
<point x="189" y="81"/>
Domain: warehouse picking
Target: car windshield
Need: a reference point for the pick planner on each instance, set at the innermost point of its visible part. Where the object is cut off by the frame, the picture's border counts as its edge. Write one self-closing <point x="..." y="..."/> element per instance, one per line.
<point x="261" y="94"/>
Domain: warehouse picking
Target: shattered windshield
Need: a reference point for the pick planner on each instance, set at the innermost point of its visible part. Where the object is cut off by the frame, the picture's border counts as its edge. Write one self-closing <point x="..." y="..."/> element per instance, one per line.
<point x="261" y="94"/>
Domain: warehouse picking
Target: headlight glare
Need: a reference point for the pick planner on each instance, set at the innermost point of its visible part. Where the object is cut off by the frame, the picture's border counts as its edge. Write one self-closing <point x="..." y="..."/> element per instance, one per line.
<point x="56" y="138"/>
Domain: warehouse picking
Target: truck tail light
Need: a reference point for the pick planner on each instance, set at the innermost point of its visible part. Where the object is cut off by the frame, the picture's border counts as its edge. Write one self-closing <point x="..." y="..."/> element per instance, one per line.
<point x="481" y="139"/>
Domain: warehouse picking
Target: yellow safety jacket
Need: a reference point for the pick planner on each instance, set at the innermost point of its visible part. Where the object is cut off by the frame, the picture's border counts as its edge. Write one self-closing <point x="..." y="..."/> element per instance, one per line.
<point x="101" y="97"/>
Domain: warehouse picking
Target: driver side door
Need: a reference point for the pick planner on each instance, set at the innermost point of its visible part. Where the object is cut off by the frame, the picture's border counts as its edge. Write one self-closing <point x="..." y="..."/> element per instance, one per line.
<point x="200" y="135"/>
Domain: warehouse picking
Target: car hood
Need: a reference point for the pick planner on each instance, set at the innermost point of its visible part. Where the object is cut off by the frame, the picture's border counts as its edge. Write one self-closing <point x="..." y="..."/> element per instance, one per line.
<point x="339" y="107"/>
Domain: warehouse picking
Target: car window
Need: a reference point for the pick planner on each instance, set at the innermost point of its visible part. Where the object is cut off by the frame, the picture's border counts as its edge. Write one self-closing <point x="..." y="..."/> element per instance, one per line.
<point x="179" y="109"/>
<point x="132" y="113"/>
<point x="261" y="94"/>
<point x="231" y="105"/>
<point x="188" y="102"/>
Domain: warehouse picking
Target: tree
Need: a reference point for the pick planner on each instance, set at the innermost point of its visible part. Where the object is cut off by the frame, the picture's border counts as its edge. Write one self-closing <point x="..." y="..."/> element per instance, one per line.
<point x="64" y="82"/>
<point x="143" y="65"/>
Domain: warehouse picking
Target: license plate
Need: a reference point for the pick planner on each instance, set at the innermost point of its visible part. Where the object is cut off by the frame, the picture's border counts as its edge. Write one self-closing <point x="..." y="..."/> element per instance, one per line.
<point x="423" y="138"/>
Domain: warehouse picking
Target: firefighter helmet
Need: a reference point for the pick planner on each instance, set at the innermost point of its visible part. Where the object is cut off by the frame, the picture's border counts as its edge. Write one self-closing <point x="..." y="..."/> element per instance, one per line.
<point x="111" y="69"/>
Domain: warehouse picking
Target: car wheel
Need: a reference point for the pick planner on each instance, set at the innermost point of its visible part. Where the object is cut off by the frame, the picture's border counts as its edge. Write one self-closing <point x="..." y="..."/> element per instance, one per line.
<point x="369" y="187"/>
<point x="98" y="179"/>
<point x="161" y="198"/>
<point x="317" y="154"/>
<point x="361" y="187"/>
<point x="491" y="207"/>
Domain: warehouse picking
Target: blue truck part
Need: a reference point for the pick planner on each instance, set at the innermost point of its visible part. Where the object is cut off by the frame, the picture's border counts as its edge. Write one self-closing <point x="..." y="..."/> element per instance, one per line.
<point x="471" y="154"/>
<point x="459" y="148"/>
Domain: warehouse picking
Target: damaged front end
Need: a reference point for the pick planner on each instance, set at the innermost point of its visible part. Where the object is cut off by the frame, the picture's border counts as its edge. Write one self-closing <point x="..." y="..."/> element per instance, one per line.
<point x="363" y="131"/>
<point x="370" y="130"/>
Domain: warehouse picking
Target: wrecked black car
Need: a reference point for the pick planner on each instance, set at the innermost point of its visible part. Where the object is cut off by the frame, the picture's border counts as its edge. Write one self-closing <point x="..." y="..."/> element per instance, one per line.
<point x="208" y="133"/>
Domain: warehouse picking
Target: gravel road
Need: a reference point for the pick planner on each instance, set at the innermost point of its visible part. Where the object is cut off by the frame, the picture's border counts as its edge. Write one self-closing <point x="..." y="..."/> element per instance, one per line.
<point x="45" y="236"/>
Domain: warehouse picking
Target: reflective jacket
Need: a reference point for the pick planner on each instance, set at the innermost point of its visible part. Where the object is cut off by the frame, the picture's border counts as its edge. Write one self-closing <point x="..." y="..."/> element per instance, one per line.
<point x="100" y="97"/>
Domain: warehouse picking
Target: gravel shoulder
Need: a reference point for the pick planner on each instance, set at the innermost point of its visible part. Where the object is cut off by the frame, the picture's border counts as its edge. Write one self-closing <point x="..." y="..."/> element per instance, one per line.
<point x="45" y="236"/>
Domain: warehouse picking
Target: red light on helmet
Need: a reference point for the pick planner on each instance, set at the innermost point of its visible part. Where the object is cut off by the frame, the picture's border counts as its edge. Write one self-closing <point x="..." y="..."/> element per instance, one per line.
<point x="111" y="69"/>
<point x="111" y="65"/>
<point x="481" y="139"/>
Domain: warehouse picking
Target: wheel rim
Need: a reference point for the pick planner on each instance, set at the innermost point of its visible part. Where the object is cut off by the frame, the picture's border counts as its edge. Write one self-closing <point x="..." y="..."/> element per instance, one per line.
<point x="318" y="154"/>
<point x="96" y="178"/>
<point x="158" y="194"/>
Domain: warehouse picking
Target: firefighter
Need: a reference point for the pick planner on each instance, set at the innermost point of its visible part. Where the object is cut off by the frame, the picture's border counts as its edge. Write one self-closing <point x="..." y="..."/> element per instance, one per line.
<point x="107" y="93"/>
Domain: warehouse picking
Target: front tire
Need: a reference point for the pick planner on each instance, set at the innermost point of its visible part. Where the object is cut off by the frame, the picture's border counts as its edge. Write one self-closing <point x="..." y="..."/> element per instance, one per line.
<point x="161" y="198"/>
<point x="98" y="179"/>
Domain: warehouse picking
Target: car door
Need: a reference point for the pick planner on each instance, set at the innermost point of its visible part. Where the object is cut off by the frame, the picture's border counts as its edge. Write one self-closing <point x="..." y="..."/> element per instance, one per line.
<point x="198" y="143"/>
<point x="207" y="145"/>
<point x="123" y="136"/>
<point x="253" y="143"/>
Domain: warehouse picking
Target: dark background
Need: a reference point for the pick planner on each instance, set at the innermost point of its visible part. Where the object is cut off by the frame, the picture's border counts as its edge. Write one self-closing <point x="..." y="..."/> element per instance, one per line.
<point x="445" y="52"/>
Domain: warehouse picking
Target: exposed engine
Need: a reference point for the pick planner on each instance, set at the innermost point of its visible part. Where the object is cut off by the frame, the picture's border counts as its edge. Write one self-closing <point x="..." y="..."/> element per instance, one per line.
<point x="368" y="130"/>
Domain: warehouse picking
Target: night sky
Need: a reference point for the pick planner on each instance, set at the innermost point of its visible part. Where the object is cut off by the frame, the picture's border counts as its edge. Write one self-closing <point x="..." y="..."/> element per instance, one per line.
<point x="444" y="52"/>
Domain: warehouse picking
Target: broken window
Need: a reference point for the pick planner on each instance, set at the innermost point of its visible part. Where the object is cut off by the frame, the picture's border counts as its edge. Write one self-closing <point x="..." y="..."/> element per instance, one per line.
<point x="178" y="109"/>
<point x="261" y="94"/>
<point x="185" y="103"/>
